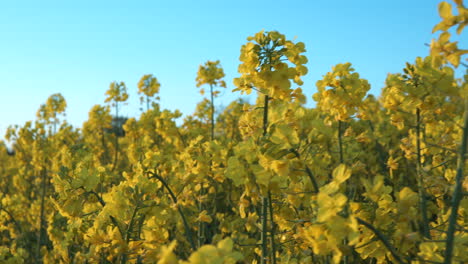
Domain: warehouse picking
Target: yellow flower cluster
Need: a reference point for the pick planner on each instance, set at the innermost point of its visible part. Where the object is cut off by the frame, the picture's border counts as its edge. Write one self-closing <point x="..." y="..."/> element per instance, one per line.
<point x="210" y="73"/>
<point x="148" y="85"/>
<point x="117" y="92"/>
<point x="269" y="63"/>
<point x="341" y="92"/>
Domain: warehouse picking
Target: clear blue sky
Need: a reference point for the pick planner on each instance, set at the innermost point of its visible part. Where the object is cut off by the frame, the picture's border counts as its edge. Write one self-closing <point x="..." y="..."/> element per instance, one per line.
<point x="78" y="47"/>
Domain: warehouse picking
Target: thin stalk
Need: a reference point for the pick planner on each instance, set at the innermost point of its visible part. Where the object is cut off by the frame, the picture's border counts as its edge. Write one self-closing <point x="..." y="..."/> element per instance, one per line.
<point x="147" y="103"/>
<point x="55" y="127"/>
<point x="41" y="217"/>
<point x="130" y="225"/>
<point x="264" y="238"/>
<point x="140" y="225"/>
<point x="17" y="225"/>
<point x="383" y="239"/>
<point x="265" y="203"/>
<point x="212" y="112"/>
<point x="128" y="232"/>
<point x="106" y="151"/>
<point x="265" y="115"/>
<point x="272" y="231"/>
<point x="378" y="148"/>
<point x="308" y="171"/>
<point x="188" y="232"/>
<point x="103" y="203"/>
<point x="340" y="145"/>
<point x="13" y="219"/>
<point x="116" y="156"/>
<point x="340" y="140"/>
<point x="457" y="192"/>
<point x="201" y="225"/>
<point x="421" y="191"/>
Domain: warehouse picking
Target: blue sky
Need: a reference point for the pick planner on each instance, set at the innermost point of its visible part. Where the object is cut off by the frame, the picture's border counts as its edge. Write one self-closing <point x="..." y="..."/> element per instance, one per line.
<point x="78" y="47"/>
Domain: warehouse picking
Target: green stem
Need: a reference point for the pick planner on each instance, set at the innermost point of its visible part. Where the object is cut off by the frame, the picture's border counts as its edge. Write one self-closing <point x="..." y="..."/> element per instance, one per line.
<point x="340" y="140"/>
<point x="457" y="192"/>
<point x="113" y="219"/>
<point x="128" y="232"/>
<point x="265" y="115"/>
<point x="265" y="203"/>
<point x="104" y="146"/>
<point x="272" y="231"/>
<point x="13" y="219"/>
<point x="264" y="238"/>
<point x="212" y="112"/>
<point x="147" y="103"/>
<point x="188" y="232"/>
<point x="41" y="217"/>
<point x="421" y="191"/>
<point x="202" y="225"/>
<point x="383" y="239"/>
<point x="340" y="145"/>
<point x="55" y="127"/>
<point x="116" y="156"/>
<point x="308" y="171"/>
<point x="130" y="225"/>
<point x="200" y="233"/>
<point x="17" y="225"/>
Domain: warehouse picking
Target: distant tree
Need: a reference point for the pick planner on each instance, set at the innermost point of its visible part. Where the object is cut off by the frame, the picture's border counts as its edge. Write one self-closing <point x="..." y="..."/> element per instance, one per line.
<point x="117" y="126"/>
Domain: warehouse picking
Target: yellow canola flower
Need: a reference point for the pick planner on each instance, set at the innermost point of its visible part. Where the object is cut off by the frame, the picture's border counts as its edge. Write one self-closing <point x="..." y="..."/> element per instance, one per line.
<point x="281" y="167"/>
<point x="341" y="92"/>
<point x="148" y="85"/>
<point x="375" y="188"/>
<point x="117" y="92"/>
<point x="210" y="73"/>
<point x="407" y="197"/>
<point x="341" y="173"/>
<point x="392" y="163"/>
<point x="430" y="251"/>
<point x="56" y="104"/>
<point x="286" y="135"/>
<point x="269" y="63"/>
<point x="166" y="255"/>
<point x="222" y="253"/>
<point x="329" y="206"/>
<point x="204" y="217"/>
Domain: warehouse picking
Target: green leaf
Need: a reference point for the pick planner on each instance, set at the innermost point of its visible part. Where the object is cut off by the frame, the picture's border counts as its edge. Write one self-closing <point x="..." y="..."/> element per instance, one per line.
<point x="285" y="135"/>
<point x="90" y="180"/>
<point x="235" y="171"/>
